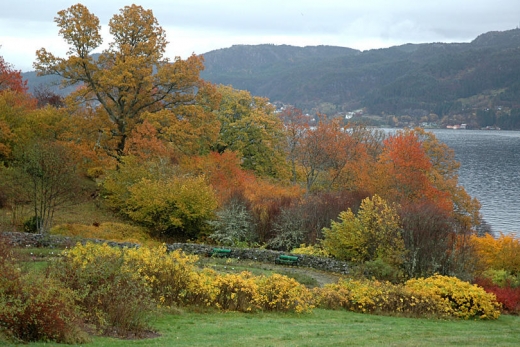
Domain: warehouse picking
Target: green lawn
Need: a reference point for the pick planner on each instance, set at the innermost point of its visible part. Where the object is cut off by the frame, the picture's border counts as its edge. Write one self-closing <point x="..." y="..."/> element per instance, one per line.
<point x="320" y="328"/>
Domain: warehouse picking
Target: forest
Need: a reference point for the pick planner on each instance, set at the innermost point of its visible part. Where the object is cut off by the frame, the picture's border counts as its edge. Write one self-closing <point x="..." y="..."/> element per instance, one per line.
<point x="186" y="160"/>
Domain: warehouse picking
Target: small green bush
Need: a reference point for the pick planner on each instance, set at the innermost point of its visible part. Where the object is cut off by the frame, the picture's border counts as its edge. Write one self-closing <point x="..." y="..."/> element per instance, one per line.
<point x="31" y="224"/>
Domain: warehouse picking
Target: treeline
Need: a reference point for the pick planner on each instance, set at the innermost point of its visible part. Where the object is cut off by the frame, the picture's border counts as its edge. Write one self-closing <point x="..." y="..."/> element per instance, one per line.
<point x="187" y="159"/>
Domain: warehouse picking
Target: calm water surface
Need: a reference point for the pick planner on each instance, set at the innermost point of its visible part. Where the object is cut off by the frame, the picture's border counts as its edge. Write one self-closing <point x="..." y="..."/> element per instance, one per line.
<point x="489" y="171"/>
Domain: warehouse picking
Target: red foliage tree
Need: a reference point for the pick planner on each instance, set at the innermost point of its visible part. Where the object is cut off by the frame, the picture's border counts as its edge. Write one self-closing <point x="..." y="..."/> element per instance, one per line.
<point x="11" y="78"/>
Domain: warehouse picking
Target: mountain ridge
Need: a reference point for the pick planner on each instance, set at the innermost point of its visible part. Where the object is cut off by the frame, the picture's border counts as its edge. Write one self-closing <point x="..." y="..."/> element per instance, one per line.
<point x="426" y="77"/>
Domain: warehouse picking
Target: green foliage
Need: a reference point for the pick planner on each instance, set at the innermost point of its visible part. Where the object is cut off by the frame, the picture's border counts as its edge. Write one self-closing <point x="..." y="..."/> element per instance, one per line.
<point x="250" y="127"/>
<point x="373" y="234"/>
<point x="502" y="278"/>
<point x="234" y="225"/>
<point x="31" y="224"/>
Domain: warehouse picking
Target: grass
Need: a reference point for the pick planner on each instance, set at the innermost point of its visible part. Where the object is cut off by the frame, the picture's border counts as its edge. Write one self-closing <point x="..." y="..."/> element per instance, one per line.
<point x="320" y="328"/>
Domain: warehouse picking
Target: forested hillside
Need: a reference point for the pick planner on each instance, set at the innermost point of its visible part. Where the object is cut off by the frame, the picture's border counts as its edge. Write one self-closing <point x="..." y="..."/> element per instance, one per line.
<point x="416" y="80"/>
<point x="433" y="77"/>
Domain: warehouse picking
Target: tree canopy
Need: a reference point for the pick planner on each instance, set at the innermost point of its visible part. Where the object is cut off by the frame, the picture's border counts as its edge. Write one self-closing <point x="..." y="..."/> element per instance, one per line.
<point x="130" y="77"/>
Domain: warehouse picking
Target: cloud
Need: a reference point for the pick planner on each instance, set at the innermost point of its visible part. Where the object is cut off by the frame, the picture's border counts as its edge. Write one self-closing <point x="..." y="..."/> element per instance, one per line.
<point x="203" y="25"/>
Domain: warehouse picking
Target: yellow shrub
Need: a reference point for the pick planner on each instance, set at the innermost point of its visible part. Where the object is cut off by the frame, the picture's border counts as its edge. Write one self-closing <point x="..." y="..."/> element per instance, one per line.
<point x="464" y="300"/>
<point x="236" y="292"/>
<point x="171" y="276"/>
<point x="281" y="293"/>
<point x="310" y="250"/>
<point x="367" y="296"/>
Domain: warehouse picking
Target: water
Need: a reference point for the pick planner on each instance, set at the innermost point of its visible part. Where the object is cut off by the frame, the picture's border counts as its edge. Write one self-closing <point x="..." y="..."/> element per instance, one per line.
<point x="489" y="171"/>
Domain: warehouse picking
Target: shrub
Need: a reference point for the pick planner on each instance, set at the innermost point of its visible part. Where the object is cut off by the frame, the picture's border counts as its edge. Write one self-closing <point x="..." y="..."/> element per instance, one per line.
<point x="171" y="277"/>
<point x="497" y="253"/>
<point x="35" y="308"/>
<point x="283" y="294"/>
<point x="234" y="225"/>
<point x="178" y="206"/>
<point x="40" y="310"/>
<point x="505" y="289"/>
<point x="116" y="301"/>
<point x="290" y="231"/>
<point x="366" y="296"/>
<point x="236" y="292"/>
<point x="31" y="225"/>
<point x="373" y="233"/>
<point x="464" y="300"/>
<point x="315" y="250"/>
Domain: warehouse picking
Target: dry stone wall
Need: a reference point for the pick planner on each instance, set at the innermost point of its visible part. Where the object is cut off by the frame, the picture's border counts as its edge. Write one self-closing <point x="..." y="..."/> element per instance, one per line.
<point x="261" y="255"/>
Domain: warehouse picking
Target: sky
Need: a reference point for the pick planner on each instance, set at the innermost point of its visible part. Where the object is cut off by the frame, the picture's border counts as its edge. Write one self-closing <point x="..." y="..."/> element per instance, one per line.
<point x="200" y="26"/>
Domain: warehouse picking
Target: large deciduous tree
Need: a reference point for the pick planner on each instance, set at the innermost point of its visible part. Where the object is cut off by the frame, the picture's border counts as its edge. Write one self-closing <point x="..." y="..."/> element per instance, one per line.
<point x="127" y="79"/>
<point x="250" y="127"/>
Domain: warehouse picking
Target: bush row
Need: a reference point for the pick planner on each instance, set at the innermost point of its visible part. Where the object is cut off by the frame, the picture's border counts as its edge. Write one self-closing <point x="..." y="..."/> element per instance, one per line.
<point x="439" y="296"/>
<point x="117" y="291"/>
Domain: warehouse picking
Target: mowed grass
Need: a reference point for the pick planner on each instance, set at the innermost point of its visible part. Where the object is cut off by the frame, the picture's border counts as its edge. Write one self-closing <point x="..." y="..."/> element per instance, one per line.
<point x="320" y="328"/>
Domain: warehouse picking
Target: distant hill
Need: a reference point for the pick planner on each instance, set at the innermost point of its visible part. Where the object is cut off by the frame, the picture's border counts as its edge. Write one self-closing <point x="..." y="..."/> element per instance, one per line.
<point x="436" y="78"/>
<point x="432" y="77"/>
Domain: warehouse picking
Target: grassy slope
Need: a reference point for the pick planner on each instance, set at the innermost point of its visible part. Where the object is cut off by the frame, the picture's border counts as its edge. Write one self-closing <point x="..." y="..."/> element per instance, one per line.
<point x="321" y="328"/>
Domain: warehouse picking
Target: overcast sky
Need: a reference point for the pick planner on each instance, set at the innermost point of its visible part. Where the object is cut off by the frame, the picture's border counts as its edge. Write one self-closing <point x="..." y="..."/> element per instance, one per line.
<point x="199" y="26"/>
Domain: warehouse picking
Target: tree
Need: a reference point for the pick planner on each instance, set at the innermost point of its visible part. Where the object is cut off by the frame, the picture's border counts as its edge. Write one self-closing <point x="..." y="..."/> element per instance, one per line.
<point x="250" y="127"/>
<point x="46" y="96"/>
<point x="374" y="233"/>
<point x="48" y="174"/>
<point x="324" y="154"/>
<point x="296" y="126"/>
<point x="427" y="234"/>
<point x="130" y="77"/>
<point x="10" y="78"/>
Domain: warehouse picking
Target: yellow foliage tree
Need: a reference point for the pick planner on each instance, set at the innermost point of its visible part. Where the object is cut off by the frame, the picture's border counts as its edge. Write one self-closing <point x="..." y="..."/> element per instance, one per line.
<point x="373" y="234"/>
<point x="130" y="77"/>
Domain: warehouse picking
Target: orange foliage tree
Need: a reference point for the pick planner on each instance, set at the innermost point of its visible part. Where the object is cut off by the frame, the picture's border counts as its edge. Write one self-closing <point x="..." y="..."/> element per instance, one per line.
<point x="230" y="181"/>
<point x="325" y="155"/>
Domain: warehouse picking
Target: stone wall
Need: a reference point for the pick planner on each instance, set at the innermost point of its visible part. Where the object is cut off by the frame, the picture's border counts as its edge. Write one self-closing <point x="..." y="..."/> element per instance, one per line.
<point x="261" y="255"/>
